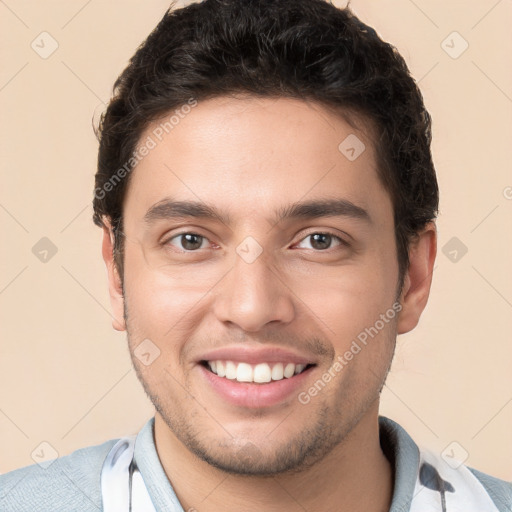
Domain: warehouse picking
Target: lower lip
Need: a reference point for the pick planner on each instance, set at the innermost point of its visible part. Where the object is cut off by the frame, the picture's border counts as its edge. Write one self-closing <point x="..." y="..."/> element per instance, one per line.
<point x="255" y="396"/>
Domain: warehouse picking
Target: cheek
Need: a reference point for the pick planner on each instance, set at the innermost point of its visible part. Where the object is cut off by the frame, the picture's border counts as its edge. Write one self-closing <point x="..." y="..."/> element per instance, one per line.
<point x="155" y="301"/>
<point x="349" y="298"/>
<point x="160" y="307"/>
<point x="153" y="284"/>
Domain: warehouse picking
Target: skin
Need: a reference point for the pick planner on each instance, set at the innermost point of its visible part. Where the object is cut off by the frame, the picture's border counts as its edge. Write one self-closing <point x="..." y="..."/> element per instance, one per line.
<point x="249" y="157"/>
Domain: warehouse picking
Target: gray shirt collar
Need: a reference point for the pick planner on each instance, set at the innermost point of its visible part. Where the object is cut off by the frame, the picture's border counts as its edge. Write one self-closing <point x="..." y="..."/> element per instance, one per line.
<point x="397" y="445"/>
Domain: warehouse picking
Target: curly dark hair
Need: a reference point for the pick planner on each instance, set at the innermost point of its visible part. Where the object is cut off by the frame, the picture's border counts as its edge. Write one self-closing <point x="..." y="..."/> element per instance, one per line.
<point x="306" y="49"/>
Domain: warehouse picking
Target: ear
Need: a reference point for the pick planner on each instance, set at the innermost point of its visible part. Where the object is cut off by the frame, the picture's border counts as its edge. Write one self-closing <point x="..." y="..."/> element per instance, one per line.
<point x="114" y="280"/>
<point x="418" y="278"/>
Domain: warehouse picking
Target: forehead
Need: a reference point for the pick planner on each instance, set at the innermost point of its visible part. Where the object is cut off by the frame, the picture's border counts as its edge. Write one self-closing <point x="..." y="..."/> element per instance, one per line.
<point x="254" y="154"/>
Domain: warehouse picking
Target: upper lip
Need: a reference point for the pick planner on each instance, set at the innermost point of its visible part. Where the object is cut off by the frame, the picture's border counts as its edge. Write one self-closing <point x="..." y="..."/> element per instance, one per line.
<point x="254" y="355"/>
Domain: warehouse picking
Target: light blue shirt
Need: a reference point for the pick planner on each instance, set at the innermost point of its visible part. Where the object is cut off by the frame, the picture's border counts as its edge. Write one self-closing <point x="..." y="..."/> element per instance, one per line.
<point x="72" y="482"/>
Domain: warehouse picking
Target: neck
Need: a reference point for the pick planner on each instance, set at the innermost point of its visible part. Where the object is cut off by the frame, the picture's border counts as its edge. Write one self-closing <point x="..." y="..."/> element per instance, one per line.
<point x="355" y="476"/>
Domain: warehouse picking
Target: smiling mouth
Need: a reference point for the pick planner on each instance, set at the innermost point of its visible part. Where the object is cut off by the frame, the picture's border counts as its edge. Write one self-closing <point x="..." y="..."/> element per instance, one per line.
<point x="261" y="373"/>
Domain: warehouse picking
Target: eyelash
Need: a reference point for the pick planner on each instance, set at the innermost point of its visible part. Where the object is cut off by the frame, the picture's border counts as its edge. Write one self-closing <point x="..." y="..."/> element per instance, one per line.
<point x="341" y="241"/>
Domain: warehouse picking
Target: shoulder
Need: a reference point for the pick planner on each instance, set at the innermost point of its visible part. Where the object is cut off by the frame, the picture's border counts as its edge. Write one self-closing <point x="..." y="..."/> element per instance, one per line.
<point x="472" y="490"/>
<point x="71" y="482"/>
<point x="423" y="477"/>
<point x="499" y="490"/>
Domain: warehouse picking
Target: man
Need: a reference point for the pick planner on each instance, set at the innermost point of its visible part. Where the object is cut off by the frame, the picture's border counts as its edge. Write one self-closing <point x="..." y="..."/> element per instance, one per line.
<point x="268" y="200"/>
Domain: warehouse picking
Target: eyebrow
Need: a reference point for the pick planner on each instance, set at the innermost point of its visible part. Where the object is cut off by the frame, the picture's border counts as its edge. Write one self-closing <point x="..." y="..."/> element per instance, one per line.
<point x="171" y="209"/>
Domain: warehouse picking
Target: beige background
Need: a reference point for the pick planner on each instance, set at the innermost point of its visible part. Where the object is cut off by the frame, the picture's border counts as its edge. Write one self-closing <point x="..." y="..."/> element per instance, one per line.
<point x="66" y="376"/>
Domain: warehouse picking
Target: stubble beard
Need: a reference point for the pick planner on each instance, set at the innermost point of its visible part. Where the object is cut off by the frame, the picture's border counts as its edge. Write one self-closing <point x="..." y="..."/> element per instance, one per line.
<point x="330" y="428"/>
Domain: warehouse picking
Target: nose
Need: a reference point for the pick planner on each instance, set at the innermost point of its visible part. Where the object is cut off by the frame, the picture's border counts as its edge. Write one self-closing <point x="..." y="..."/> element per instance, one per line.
<point x="252" y="295"/>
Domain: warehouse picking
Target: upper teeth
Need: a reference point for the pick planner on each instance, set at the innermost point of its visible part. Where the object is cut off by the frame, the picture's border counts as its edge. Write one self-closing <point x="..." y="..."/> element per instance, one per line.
<point x="262" y="372"/>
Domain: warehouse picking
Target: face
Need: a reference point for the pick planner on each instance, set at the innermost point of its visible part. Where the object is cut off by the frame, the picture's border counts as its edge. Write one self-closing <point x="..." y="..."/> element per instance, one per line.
<point x="257" y="250"/>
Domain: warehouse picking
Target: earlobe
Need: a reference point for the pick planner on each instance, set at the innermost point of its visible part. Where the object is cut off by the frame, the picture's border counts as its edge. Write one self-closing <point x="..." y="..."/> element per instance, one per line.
<point x="418" y="279"/>
<point x="114" y="279"/>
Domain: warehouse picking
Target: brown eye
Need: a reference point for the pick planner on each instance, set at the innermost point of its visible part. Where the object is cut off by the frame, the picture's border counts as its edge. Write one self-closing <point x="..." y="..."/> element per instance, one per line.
<point x="322" y="241"/>
<point x="187" y="241"/>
